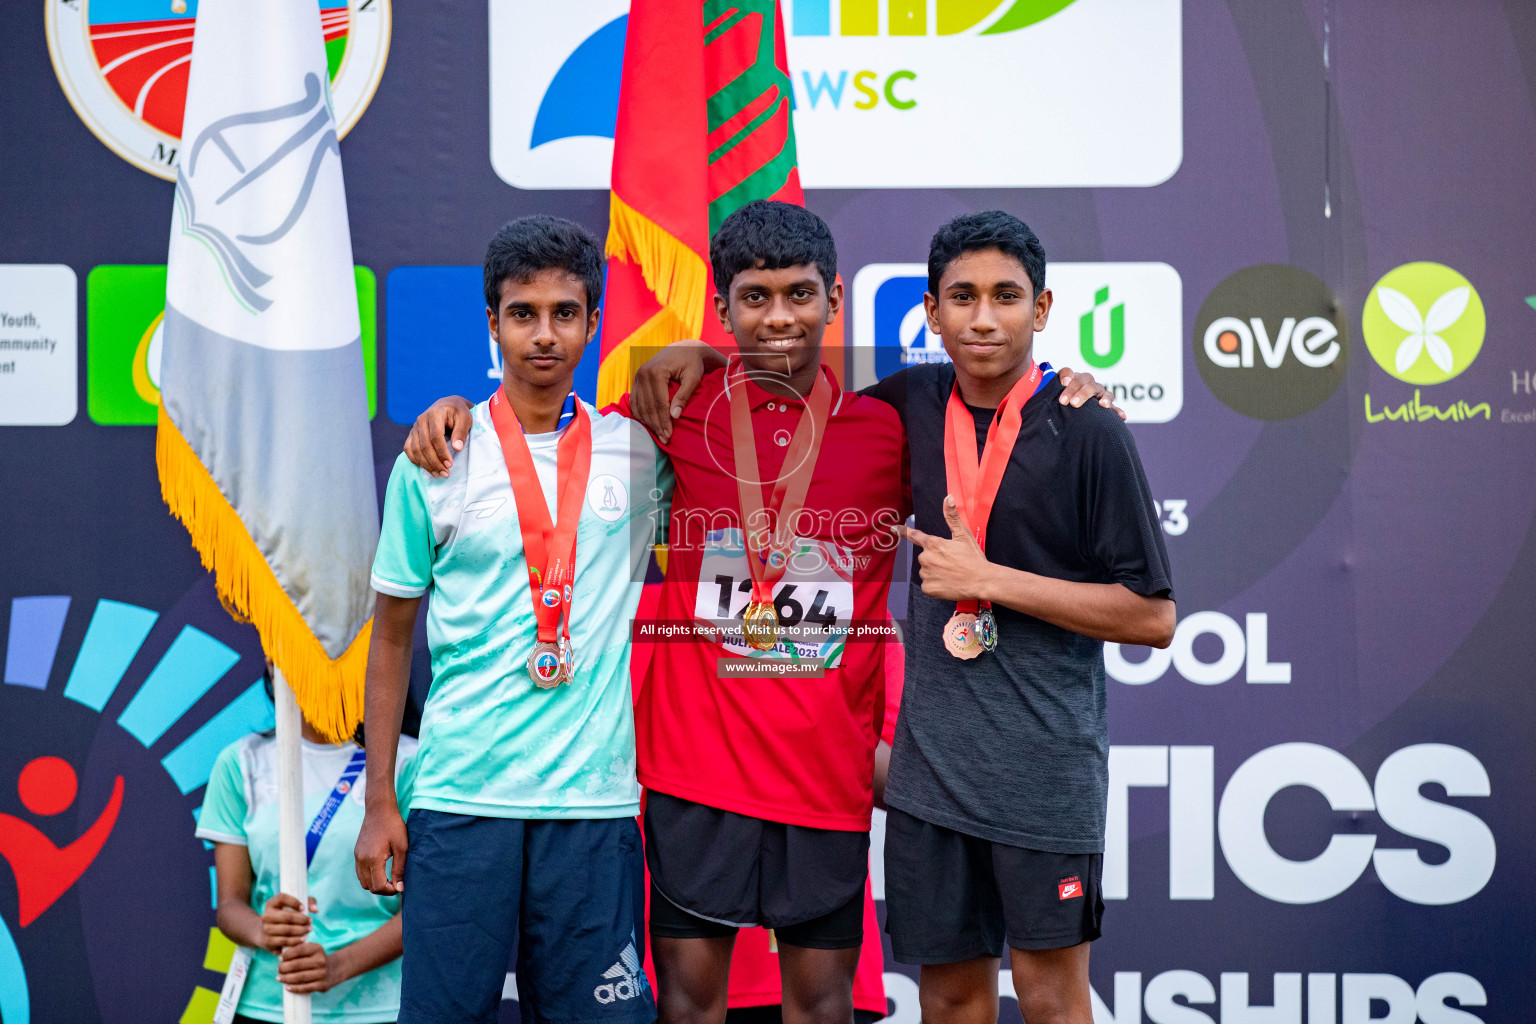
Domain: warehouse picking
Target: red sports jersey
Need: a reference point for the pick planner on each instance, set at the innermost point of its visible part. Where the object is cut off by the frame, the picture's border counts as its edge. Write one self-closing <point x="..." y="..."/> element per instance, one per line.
<point x="792" y="749"/>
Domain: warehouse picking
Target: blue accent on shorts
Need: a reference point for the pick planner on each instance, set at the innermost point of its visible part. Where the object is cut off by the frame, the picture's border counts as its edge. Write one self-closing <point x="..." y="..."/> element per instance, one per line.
<point x="568" y="895"/>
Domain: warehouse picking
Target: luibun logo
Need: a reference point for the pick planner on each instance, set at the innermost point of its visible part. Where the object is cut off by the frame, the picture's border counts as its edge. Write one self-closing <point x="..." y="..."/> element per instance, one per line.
<point x="626" y="979"/>
<point x="1424" y="324"/>
<point x="1269" y="342"/>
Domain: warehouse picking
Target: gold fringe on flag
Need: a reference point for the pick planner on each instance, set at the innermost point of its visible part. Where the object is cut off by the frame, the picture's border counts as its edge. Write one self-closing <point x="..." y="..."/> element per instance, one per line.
<point x="329" y="692"/>
<point x="672" y="271"/>
<point x="616" y="373"/>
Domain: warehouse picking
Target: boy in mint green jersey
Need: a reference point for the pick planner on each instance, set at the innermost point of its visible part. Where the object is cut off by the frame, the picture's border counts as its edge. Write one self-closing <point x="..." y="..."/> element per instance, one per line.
<point x="522" y="824"/>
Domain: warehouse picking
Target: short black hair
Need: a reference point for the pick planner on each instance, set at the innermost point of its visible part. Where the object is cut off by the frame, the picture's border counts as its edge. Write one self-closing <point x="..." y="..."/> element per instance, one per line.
<point x="524" y="247"/>
<point x="991" y="229"/>
<point x="770" y="235"/>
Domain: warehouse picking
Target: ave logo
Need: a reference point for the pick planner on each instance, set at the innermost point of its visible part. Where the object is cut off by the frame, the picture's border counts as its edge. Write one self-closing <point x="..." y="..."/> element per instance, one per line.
<point x="1270" y="343"/>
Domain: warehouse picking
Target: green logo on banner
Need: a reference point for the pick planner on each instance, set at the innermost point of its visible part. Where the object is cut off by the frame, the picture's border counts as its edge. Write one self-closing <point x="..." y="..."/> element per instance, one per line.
<point x="1088" y="336"/>
<point x="124" y="310"/>
<point x="1424" y="323"/>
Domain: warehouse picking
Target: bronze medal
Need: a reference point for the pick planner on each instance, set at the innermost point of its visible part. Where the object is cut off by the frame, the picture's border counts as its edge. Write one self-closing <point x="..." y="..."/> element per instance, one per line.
<point x="960" y="636"/>
<point x="544" y="666"/>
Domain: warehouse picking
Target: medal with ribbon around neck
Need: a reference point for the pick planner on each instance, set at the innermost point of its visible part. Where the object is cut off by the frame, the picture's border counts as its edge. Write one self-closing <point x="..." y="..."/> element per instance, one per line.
<point x="768" y="527"/>
<point x="549" y="548"/>
<point x="973" y="482"/>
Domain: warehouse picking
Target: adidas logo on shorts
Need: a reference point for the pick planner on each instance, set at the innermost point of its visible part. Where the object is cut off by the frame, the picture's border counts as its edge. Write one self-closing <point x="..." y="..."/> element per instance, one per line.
<point x="629" y="981"/>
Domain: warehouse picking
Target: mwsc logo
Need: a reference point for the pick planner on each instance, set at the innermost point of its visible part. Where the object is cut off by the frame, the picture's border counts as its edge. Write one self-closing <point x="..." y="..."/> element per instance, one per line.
<point x="867" y="78"/>
<point x="1120" y="320"/>
<point x="123" y="64"/>
<point x="1269" y="342"/>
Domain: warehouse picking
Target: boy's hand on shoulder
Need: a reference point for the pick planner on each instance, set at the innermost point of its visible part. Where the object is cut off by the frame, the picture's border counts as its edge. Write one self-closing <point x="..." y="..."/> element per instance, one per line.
<point x="953" y="569"/>
<point x="283" y="922"/>
<point x="652" y="399"/>
<point x="381" y="838"/>
<point x="438" y="433"/>
<point x="1077" y="389"/>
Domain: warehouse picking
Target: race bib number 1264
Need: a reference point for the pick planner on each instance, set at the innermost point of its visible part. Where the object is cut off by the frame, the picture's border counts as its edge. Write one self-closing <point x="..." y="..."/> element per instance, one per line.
<point x="813" y="599"/>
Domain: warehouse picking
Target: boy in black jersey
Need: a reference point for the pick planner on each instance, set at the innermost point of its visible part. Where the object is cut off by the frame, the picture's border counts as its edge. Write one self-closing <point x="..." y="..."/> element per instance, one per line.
<point x="998" y="776"/>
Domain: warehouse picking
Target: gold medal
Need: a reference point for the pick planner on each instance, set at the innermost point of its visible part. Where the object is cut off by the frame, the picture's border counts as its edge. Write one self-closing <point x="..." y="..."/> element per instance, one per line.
<point x="760" y="626"/>
<point x="960" y="636"/>
<point x="544" y="666"/>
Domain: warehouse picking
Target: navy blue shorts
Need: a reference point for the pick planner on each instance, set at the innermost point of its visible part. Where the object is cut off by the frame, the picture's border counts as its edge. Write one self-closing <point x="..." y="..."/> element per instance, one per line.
<point x="569" y="895"/>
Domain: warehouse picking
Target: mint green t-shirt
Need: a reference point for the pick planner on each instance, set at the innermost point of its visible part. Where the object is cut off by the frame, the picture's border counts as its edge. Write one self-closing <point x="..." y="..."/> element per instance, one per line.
<point x="240" y="807"/>
<point x="493" y="744"/>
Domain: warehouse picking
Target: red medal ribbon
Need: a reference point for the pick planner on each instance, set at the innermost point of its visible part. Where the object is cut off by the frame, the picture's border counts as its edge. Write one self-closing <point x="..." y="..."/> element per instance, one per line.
<point x="973" y="481"/>
<point x="549" y="548"/>
<point x="789" y="490"/>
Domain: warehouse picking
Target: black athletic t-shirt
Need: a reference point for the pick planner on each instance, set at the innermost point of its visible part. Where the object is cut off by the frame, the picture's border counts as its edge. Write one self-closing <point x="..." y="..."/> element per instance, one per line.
<point x="1013" y="746"/>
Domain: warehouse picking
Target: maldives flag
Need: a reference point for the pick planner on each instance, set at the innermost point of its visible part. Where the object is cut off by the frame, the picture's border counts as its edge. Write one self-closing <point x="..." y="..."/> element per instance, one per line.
<point x="704" y="127"/>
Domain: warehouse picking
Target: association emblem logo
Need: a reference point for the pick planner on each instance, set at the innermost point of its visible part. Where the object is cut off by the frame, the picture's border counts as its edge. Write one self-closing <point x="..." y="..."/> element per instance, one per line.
<point x="1423" y="323"/>
<point x="123" y="64"/>
<point x="607" y="497"/>
<point x="1270" y="343"/>
<point x="551" y="598"/>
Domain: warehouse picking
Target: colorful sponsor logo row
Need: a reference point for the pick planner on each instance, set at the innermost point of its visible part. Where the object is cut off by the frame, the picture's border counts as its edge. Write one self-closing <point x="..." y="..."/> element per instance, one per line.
<point x="1269" y="341"/>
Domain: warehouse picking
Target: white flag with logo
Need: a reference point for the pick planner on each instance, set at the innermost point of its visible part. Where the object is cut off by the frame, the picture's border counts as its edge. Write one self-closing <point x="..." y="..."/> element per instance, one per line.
<point x="264" y="445"/>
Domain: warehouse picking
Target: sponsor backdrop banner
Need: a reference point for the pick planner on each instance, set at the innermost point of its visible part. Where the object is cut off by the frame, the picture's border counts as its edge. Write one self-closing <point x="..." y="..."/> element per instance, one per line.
<point x="1294" y="236"/>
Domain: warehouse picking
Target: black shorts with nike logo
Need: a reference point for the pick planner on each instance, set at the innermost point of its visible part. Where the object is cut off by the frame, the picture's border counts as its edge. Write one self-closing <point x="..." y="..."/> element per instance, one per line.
<point x="951" y="897"/>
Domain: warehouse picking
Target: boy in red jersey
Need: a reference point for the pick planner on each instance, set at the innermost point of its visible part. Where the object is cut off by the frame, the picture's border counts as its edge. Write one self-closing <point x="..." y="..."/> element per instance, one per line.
<point x="759" y="778"/>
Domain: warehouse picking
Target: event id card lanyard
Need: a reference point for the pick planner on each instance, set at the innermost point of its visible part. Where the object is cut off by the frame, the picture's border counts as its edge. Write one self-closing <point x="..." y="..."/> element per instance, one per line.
<point x="240" y="963"/>
<point x="548" y="547"/>
<point x="768" y="550"/>
<point x="973" y="483"/>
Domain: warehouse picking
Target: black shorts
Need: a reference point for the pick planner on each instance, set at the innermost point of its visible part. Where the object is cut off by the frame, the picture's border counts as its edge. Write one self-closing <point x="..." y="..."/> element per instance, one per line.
<point x="951" y="897"/>
<point x="714" y="871"/>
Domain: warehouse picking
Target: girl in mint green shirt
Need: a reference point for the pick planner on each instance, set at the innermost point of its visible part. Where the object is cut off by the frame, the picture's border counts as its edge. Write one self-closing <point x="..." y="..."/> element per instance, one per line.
<point x="346" y="950"/>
